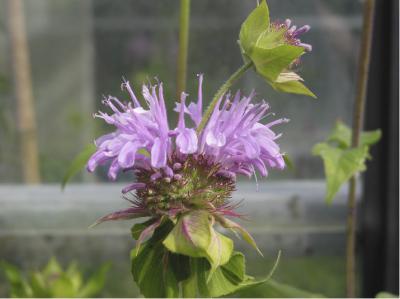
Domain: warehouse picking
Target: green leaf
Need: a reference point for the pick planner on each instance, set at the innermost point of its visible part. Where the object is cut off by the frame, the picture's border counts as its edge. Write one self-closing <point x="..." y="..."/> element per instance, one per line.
<point x="342" y="135"/>
<point x="288" y="162"/>
<point x="228" y="278"/>
<point x="138" y="228"/>
<point x="255" y="24"/>
<point x="95" y="283"/>
<point x="76" y="277"/>
<point x="40" y="286"/>
<point x="52" y="268"/>
<point x="274" y="289"/>
<point x="225" y="222"/>
<point x="194" y="236"/>
<point x="19" y="288"/>
<point x="269" y="63"/>
<point x="180" y="265"/>
<point x="294" y="86"/>
<point x="386" y="295"/>
<point x="62" y="287"/>
<point x="340" y="165"/>
<point x="78" y="164"/>
<point x="152" y="271"/>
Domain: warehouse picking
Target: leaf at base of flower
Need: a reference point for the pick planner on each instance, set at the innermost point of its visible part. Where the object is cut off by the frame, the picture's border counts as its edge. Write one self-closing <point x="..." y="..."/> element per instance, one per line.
<point x="228" y="278"/>
<point x="295" y="87"/>
<point x="194" y="236"/>
<point x="256" y="23"/>
<point x="270" y="63"/>
<point x="225" y="222"/>
<point x="152" y="271"/>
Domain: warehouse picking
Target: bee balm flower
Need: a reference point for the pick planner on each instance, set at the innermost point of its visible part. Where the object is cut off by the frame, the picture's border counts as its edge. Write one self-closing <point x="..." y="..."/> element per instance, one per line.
<point x="179" y="169"/>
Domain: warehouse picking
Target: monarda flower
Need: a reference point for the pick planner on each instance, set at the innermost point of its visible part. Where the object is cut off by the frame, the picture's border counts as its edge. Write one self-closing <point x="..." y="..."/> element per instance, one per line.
<point x="182" y="175"/>
<point x="273" y="49"/>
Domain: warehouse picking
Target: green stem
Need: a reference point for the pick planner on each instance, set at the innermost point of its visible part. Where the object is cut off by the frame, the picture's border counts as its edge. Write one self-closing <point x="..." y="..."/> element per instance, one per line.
<point x="184" y="20"/>
<point x="221" y="91"/>
<point x="358" y="114"/>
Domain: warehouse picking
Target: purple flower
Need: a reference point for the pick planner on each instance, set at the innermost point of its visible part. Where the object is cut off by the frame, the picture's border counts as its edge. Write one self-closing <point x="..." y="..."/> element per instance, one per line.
<point x="292" y="33"/>
<point x="180" y="169"/>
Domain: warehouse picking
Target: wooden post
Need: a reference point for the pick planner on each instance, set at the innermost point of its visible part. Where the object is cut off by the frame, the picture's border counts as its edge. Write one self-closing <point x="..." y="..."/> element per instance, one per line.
<point x="23" y="92"/>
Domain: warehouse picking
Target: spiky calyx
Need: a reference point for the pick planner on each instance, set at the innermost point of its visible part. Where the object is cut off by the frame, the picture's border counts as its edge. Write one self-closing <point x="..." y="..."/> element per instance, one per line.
<point x="196" y="183"/>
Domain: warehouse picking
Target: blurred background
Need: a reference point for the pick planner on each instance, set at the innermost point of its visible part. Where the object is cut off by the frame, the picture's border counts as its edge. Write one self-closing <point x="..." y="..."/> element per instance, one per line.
<point x="79" y="51"/>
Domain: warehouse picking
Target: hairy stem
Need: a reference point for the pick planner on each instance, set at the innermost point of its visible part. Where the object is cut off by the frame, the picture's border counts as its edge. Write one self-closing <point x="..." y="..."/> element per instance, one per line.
<point x="183" y="47"/>
<point x="358" y="113"/>
<point x="221" y="91"/>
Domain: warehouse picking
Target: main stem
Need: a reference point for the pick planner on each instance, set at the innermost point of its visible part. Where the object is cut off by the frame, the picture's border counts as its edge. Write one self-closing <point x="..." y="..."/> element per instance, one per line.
<point x="183" y="47"/>
<point x="358" y="113"/>
<point x="221" y="91"/>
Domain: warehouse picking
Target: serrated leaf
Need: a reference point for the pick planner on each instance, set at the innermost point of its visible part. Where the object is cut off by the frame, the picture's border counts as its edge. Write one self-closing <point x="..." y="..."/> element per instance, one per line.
<point x="78" y="164"/>
<point x="294" y="86"/>
<point x="95" y="283"/>
<point x="256" y="23"/>
<point x="342" y="135"/>
<point x="269" y="63"/>
<point x="194" y="236"/>
<point x="340" y="165"/>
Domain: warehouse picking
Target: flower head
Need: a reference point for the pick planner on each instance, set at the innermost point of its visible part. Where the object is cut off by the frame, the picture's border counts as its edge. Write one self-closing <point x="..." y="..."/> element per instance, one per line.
<point x="179" y="169"/>
<point x="291" y="33"/>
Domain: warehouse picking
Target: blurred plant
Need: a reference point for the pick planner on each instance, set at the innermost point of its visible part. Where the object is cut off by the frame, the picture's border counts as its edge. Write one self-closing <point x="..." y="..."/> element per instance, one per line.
<point x="346" y="151"/>
<point x="53" y="281"/>
<point x="341" y="160"/>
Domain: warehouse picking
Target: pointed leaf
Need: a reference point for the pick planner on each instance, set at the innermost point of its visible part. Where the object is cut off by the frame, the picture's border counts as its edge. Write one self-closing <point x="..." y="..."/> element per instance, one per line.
<point x="269" y="63"/>
<point x="148" y="231"/>
<point x="228" y="278"/>
<point x="225" y="222"/>
<point x="274" y="289"/>
<point x="19" y="287"/>
<point x="340" y="165"/>
<point x="95" y="283"/>
<point x="52" y="268"/>
<point x="295" y="87"/>
<point x="342" y="135"/>
<point x="193" y="235"/>
<point x="255" y="24"/>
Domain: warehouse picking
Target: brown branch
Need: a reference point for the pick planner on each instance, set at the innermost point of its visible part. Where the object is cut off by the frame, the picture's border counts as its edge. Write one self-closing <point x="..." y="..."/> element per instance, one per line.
<point x="358" y="115"/>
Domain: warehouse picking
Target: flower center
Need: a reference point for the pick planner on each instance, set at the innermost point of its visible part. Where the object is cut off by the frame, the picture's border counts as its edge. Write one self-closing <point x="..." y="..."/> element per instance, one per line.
<point x="195" y="182"/>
